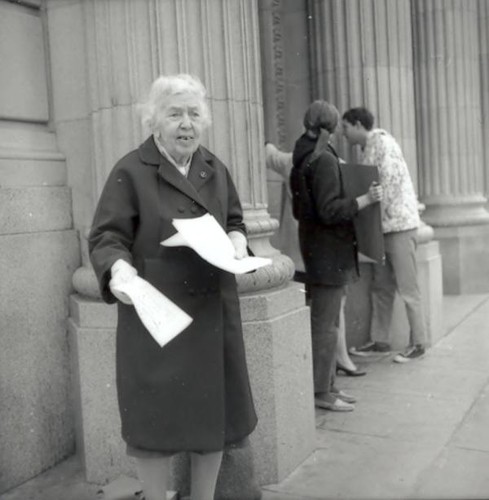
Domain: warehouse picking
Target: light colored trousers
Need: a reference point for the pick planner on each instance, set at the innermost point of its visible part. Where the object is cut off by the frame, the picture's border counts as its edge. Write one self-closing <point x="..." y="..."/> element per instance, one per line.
<point x="398" y="274"/>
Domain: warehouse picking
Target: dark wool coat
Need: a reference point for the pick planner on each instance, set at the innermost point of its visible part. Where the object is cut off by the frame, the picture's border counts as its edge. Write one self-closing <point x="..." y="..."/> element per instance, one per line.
<point x="326" y="233"/>
<point x="194" y="393"/>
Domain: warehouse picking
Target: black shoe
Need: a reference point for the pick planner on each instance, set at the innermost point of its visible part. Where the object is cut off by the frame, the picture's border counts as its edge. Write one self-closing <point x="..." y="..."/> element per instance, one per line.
<point x="370" y="348"/>
<point x="348" y="372"/>
<point x="411" y="353"/>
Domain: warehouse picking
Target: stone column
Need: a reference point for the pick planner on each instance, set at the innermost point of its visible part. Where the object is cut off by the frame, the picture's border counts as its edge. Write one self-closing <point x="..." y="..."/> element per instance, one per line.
<point x="128" y="44"/>
<point x="227" y="65"/>
<point x="448" y="114"/>
<point x="361" y="55"/>
<point x="483" y="17"/>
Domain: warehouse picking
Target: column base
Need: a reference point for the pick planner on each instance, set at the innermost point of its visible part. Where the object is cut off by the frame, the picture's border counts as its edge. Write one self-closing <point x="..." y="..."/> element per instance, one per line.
<point x="278" y="346"/>
<point x="450" y="211"/>
<point x="465" y="262"/>
<point x="91" y="331"/>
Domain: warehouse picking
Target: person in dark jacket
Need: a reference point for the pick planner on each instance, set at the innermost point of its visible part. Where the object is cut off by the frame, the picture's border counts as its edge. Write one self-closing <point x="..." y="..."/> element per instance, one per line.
<point x="327" y="241"/>
<point x="194" y="393"/>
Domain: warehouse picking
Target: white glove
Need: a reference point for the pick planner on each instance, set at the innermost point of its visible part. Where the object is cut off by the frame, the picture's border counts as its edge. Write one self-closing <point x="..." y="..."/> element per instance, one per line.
<point x="121" y="272"/>
<point x="239" y="242"/>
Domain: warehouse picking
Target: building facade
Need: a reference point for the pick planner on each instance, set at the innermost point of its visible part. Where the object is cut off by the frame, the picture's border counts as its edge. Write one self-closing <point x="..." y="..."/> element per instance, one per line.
<point x="74" y="73"/>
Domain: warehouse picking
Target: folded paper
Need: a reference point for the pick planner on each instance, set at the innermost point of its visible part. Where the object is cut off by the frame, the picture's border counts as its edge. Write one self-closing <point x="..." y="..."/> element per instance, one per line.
<point x="163" y="319"/>
<point x="206" y="236"/>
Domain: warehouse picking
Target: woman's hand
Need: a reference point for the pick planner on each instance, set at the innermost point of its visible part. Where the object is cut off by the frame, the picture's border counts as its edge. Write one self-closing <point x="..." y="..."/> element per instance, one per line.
<point x="239" y="242"/>
<point x="375" y="192"/>
<point x="121" y="272"/>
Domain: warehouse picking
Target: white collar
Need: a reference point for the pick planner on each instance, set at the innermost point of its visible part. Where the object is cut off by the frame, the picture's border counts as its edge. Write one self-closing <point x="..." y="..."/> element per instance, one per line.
<point x="183" y="169"/>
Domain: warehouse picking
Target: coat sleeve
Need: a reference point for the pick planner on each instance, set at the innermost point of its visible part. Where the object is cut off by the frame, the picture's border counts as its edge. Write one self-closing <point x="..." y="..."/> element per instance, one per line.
<point x="113" y="228"/>
<point x="325" y="183"/>
<point x="234" y="221"/>
<point x="278" y="161"/>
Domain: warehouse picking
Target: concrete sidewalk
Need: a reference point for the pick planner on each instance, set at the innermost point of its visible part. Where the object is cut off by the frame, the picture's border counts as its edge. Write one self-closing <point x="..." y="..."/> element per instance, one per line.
<point x="419" y="430"/>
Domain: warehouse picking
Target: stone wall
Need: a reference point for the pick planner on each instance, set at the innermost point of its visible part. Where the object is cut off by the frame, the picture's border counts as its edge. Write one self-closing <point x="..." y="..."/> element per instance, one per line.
<point x="39" y="252"/>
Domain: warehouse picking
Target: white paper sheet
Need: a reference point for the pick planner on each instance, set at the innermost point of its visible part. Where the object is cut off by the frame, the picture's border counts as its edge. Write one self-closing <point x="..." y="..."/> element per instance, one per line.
<point x="162" y="318"/>
<point x="210" y="241"/>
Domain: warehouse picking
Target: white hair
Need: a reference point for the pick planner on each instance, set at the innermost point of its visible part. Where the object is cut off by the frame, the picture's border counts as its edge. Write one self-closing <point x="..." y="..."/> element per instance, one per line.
<point x="163" y="88"/>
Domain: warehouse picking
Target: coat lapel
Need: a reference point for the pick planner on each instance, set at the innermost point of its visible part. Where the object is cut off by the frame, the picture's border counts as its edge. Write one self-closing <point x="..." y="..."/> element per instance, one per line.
<point x="200" y="171"/>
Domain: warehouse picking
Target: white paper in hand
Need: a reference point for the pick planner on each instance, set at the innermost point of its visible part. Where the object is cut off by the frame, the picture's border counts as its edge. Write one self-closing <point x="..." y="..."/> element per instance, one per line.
<point x="163" y="319"/>
<point x="206" y="236"/>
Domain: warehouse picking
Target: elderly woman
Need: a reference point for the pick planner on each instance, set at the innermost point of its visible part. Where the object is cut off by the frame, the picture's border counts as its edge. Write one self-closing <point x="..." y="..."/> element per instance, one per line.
<point x="327" y="242"/>
<point x="193" y="394"/>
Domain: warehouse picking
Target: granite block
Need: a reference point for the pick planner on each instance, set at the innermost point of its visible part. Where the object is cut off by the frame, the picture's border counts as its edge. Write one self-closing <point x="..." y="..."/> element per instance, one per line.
<point x="35" y="209"/>
<point x="36" y="414"/>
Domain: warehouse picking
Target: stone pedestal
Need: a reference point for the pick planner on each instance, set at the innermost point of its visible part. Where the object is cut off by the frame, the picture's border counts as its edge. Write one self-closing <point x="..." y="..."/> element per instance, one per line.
<point x="92" y="347"/>
<point x="278" y="348"/>
<point x="465" y="263"/>
<point x="358" y="311"/>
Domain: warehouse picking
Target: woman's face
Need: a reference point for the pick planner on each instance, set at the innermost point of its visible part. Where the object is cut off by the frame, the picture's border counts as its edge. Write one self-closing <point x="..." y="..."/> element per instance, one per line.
<point x="180" y="126"/>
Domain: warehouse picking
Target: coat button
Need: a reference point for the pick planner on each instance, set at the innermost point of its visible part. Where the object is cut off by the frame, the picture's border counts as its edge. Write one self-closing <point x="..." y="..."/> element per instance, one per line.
<point x="181" y="209"/>
<point x="193" y="210"/>
<point x="203" y="174"/>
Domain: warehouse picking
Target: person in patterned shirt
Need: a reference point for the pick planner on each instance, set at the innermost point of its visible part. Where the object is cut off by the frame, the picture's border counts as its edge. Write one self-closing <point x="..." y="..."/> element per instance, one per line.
<point x="400" y="220"/>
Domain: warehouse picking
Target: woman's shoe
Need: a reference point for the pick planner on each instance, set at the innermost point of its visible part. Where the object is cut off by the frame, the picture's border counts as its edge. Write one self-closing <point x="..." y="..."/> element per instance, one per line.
<point x="348" y="372"/>
<point x="347" y="398"/>
<point x="336" y="405"/>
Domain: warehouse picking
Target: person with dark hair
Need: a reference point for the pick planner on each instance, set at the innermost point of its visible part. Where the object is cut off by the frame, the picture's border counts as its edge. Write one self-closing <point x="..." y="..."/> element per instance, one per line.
<point x="327" y="242"/>
<point x="400" y="220"/>
<point x="281" y="163"/>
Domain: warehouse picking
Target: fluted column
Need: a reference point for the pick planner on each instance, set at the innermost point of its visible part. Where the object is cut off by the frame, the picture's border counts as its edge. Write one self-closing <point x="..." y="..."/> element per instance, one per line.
<point x="483" y="17"/>
<point x="362" y="56"/>
<point x="448" y="107"/>
<point x="218" y="41"/>
<point x="200" y="38"/>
